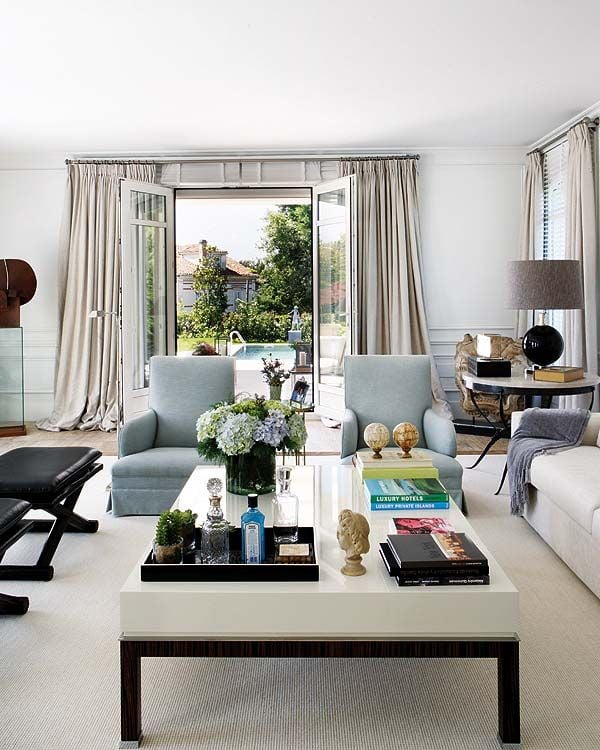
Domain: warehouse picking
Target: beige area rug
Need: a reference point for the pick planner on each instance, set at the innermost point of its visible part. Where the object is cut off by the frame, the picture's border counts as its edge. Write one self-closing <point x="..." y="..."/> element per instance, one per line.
<point x="59" y="687"/>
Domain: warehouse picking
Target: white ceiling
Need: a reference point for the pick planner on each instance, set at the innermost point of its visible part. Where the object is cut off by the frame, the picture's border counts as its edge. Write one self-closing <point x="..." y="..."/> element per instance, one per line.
<point x="125" y="75"/>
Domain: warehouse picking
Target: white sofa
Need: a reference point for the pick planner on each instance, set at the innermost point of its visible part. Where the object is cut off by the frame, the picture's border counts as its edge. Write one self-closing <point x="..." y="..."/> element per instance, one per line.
<point x="564" y="503"/>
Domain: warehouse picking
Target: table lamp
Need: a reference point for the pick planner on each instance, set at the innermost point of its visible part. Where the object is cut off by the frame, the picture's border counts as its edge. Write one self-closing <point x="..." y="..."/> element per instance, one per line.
<point x="544" y="285"/>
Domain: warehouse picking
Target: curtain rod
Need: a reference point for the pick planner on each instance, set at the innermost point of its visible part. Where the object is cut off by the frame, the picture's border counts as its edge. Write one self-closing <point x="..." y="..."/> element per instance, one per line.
<point x="108" y="161"/>
<point x="242" y="157"/>
<point x="379" y="158"/>
<point x="592" y="123"/>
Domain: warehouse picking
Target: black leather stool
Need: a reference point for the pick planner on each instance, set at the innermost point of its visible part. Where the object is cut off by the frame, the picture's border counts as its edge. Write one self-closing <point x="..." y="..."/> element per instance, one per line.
<point x="50" y="479"/>
<point x="12" y="528"/>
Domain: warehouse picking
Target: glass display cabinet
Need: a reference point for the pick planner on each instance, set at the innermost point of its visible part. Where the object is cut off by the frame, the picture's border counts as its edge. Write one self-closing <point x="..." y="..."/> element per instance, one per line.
<point x="12" y="408"/>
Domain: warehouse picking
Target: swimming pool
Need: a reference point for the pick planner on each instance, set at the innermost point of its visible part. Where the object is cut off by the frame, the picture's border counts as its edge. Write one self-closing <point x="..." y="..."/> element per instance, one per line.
<point x="257" y="351"/>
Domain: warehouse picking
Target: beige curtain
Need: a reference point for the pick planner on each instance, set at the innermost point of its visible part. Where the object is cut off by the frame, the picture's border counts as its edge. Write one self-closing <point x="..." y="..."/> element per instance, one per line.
<point x="581" y="327"/>
<point x="391" y="307"/>
<point x="532" y="223"/>
<point x="86" y="375"/>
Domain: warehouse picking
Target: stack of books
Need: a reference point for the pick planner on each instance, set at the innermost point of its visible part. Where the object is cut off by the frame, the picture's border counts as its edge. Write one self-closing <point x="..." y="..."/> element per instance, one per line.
<point x="405" y="494"/>
<point x="448" y="558"/>
<point x="391" y="465"/>
<point x="395" y="483"/>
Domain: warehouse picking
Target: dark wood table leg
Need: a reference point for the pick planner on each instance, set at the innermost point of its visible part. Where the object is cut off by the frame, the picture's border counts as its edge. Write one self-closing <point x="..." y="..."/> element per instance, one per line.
<point x="131" y="695"/>
<point x="509" y="713"/>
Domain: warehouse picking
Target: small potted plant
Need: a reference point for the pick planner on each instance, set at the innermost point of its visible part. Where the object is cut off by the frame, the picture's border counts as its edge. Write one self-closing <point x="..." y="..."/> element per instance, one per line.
<point x="186" y="522"/>
<point x="168" y="545"/>
<point x="275" y="375"/>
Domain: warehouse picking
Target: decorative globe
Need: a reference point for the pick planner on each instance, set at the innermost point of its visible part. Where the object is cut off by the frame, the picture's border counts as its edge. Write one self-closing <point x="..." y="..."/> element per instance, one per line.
<point x="406" y="436"/>
<point x="377" y="436"/>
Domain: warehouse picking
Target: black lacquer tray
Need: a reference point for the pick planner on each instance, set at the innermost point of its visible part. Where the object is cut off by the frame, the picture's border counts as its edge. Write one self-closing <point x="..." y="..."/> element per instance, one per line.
<point x="193" y="569"/>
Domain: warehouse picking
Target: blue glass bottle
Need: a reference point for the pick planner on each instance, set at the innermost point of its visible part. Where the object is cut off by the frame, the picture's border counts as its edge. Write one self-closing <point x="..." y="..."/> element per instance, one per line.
<point x="253" y="532"/>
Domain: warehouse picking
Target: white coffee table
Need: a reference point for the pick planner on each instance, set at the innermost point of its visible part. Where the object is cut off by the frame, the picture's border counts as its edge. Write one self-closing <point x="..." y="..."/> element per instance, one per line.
<point x="334" y="617"/>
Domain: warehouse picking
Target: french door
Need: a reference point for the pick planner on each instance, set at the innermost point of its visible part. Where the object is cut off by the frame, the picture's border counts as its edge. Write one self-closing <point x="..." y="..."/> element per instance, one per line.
<point x="148" y="317"/>
<point x="334" y="282"/>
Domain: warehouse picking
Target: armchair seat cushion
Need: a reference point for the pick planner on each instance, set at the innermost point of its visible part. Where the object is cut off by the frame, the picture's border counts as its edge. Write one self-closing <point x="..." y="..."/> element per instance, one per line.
<point x="158" y="463"/>
<point x="148" y="483"/>
<point x="40" y="474"/>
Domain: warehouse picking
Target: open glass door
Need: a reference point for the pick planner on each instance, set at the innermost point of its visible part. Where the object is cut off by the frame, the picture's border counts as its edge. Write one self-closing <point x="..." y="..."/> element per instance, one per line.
<point x="147" y="287"/>
<point x="334" y="282"/>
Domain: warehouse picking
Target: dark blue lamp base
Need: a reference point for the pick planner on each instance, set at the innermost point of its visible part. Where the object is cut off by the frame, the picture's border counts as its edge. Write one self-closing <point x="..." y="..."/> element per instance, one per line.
<point x="543" y="345"/>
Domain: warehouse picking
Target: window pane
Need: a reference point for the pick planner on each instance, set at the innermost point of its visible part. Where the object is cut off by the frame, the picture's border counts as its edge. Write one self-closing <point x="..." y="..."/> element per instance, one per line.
<point x="147" y="206"/>
<point x="333" y="323"/>
<point x="331" y="205"/>
<point x="148" y="300"/>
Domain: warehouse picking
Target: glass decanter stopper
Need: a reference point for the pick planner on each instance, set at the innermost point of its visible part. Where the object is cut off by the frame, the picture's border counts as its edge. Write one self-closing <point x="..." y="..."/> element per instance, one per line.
<point x="285" y="509"/>
<point x="214" y="548"/>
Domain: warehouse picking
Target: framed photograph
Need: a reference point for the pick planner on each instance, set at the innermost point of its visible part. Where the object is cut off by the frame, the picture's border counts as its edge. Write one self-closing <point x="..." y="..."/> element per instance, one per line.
<point x="299" y="393"/>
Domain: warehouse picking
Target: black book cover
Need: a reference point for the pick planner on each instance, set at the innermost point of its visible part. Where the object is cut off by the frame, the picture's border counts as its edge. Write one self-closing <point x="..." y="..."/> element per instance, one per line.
<point x="394" y="569"/>
<point x="470" y="580"/>
<point x="415" y="551"/>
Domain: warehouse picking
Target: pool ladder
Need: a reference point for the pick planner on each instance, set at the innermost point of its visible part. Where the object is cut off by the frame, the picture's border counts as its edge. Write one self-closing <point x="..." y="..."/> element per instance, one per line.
<point x="241" y="339"/>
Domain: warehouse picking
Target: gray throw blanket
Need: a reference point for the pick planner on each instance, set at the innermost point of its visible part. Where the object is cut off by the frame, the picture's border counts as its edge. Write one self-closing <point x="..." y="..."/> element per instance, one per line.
<point x="540" y="431"/>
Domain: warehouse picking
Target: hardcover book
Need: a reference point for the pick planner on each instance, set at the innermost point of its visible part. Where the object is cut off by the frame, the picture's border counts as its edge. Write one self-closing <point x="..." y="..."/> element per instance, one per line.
<point x="391" y="457"/>
<point x="392" y="567"/>
<point x="558" y="374"/>
<point x="420" y="526"/>
<point x="405" y="506"/>
<point x="393" y="472"/>
<point x="414" y="551"/>
<point x="469" y="580"/>
<point x="405" y="490"/>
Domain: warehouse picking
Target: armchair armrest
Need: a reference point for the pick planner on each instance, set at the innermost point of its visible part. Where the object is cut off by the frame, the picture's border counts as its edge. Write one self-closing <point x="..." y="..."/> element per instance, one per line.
<point x="440" y="435"/>
<point x="138" y="434"/>
<point x="349" y="433"/>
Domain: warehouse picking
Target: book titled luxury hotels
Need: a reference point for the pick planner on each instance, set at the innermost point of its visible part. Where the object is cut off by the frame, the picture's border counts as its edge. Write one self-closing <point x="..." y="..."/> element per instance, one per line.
<point x="406" y="494"/>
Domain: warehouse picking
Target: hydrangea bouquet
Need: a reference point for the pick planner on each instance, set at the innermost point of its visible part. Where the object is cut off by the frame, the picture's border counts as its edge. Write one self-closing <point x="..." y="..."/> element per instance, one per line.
<point x="245" y="436"/>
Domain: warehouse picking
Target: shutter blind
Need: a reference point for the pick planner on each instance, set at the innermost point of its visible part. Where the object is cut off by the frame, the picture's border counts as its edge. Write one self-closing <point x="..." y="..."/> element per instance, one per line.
<point x="555" y="201"/>
<point x="555" y="190"/>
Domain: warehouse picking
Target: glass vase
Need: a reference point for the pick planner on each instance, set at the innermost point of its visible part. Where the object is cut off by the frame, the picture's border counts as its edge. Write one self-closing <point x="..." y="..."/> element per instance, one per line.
<point x="275" y="392"/>
<point x="251" y="472"/>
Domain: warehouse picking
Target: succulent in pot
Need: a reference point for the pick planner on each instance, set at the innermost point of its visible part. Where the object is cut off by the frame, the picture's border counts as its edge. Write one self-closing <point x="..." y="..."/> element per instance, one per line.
<point x="168" y="544"/>
<point x="186" y="521"/>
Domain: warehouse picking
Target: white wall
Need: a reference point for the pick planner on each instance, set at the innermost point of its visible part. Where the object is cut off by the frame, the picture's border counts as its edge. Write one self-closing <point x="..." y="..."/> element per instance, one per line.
<point x="31" y="199"/>
<point x="470" y="207"/>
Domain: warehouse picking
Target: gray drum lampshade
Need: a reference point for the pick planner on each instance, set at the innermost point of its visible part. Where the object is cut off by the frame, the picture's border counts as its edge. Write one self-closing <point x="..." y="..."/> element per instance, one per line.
<point x="545" y="285"/>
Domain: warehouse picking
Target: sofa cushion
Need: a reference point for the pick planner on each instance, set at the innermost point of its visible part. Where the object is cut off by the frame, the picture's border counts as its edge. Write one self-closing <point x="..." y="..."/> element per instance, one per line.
<point x="571" y="479"/>
<point x="158" y="463"/>
<point x="596" y="527"/>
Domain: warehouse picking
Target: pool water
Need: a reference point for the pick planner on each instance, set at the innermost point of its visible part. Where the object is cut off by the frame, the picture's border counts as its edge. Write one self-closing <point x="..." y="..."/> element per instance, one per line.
<point x="257" y="351"/>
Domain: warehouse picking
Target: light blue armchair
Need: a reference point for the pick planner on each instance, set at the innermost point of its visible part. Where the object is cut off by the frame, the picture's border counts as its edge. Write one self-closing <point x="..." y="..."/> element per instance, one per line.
<point x="392" y="389"/>
<point x="157" y="450"/>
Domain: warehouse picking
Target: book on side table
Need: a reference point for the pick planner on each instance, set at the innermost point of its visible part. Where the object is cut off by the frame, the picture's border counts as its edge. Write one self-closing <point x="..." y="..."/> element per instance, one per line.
<point x="558" y="374"/>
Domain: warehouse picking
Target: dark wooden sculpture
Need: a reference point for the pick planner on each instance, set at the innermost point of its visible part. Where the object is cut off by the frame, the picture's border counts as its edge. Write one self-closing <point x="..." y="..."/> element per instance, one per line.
<point x="17" y="286"/>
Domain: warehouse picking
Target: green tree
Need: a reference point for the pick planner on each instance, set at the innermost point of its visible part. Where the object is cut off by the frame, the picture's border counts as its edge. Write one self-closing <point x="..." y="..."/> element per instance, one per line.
<point x="210" y="285"/>
<point x="286" y="269"/>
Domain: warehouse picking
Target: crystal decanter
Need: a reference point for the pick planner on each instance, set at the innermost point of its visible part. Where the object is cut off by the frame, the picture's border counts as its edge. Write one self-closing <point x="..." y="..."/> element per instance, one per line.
<point x="285" y="509"/>
<point x="215" y="530"/>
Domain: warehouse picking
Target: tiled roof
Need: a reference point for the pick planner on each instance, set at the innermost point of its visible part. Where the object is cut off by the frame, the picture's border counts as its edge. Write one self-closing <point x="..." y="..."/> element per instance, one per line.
<point x="186" y="267"/>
